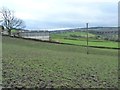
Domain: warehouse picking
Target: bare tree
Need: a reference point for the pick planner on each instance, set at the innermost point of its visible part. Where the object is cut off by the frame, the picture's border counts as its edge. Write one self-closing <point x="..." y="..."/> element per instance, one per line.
<point x="9" y="21"/>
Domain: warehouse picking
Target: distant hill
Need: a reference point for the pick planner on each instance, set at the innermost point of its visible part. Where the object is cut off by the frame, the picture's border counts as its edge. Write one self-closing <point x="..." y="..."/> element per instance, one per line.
<point x="84" y="29"/>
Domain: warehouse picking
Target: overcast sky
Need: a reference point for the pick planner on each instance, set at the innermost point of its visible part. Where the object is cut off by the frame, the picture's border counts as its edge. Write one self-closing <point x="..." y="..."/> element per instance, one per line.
<point x="52" y="14"/>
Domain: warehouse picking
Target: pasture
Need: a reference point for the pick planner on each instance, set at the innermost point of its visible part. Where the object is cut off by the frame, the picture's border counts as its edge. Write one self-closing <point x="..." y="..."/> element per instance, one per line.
<point x="79" y="38"/>
<point x="32" y="64"/>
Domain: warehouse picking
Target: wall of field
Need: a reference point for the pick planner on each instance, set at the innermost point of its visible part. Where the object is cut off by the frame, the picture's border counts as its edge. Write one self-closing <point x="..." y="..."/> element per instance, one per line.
<point x="35" y="35"/>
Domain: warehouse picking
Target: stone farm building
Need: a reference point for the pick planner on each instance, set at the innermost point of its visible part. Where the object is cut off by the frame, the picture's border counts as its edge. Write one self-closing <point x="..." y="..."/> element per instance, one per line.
<point x="105" y="31"/>
<point x="110" y="33"/>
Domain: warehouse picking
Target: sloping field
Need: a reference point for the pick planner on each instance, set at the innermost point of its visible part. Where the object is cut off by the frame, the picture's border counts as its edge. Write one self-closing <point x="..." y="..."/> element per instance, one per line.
<point x="75" y="33"/>
<point x="39" y="64"/>
<point x="79" y="38"/>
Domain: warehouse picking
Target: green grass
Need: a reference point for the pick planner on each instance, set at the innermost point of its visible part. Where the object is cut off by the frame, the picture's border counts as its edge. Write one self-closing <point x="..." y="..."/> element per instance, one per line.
<point x="92" y="41"/>
<point x="68" y="34"/>
<point x="38" y="64"/>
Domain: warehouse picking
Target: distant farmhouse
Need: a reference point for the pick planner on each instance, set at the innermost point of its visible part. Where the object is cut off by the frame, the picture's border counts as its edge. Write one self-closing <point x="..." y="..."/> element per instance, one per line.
<point x="104" y="30"/>
<point x="108" y="33"/>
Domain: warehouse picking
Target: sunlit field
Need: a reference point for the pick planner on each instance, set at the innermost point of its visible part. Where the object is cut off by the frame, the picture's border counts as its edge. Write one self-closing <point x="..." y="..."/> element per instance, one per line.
<point x="79" y="38"/>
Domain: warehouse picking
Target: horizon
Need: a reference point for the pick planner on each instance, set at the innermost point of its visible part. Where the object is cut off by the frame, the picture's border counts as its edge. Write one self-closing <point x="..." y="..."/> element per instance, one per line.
<point x="54" y="14"/>
<point x="60" y="29"/>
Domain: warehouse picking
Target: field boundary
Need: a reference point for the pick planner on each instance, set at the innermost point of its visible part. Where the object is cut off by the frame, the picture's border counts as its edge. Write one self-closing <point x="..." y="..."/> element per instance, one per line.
<point x="63" y="43"/>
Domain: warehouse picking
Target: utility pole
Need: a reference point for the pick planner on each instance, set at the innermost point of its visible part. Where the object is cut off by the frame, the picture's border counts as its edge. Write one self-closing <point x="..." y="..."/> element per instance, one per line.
<point x="87" y="37"/>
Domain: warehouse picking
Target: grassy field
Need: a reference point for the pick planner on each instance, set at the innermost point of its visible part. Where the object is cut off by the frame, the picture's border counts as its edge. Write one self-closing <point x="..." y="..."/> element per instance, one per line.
<point x="67" y="34"/>
<point x="39" y="64"/>
<point x="79" y="38"/>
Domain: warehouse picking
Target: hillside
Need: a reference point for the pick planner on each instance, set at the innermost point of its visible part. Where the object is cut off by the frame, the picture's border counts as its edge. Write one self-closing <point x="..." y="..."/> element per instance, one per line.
<point x="38" y="64"/>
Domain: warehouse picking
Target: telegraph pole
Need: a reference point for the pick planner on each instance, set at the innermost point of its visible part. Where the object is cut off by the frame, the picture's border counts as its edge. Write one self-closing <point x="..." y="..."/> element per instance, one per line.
<point x="87" y="37"/>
